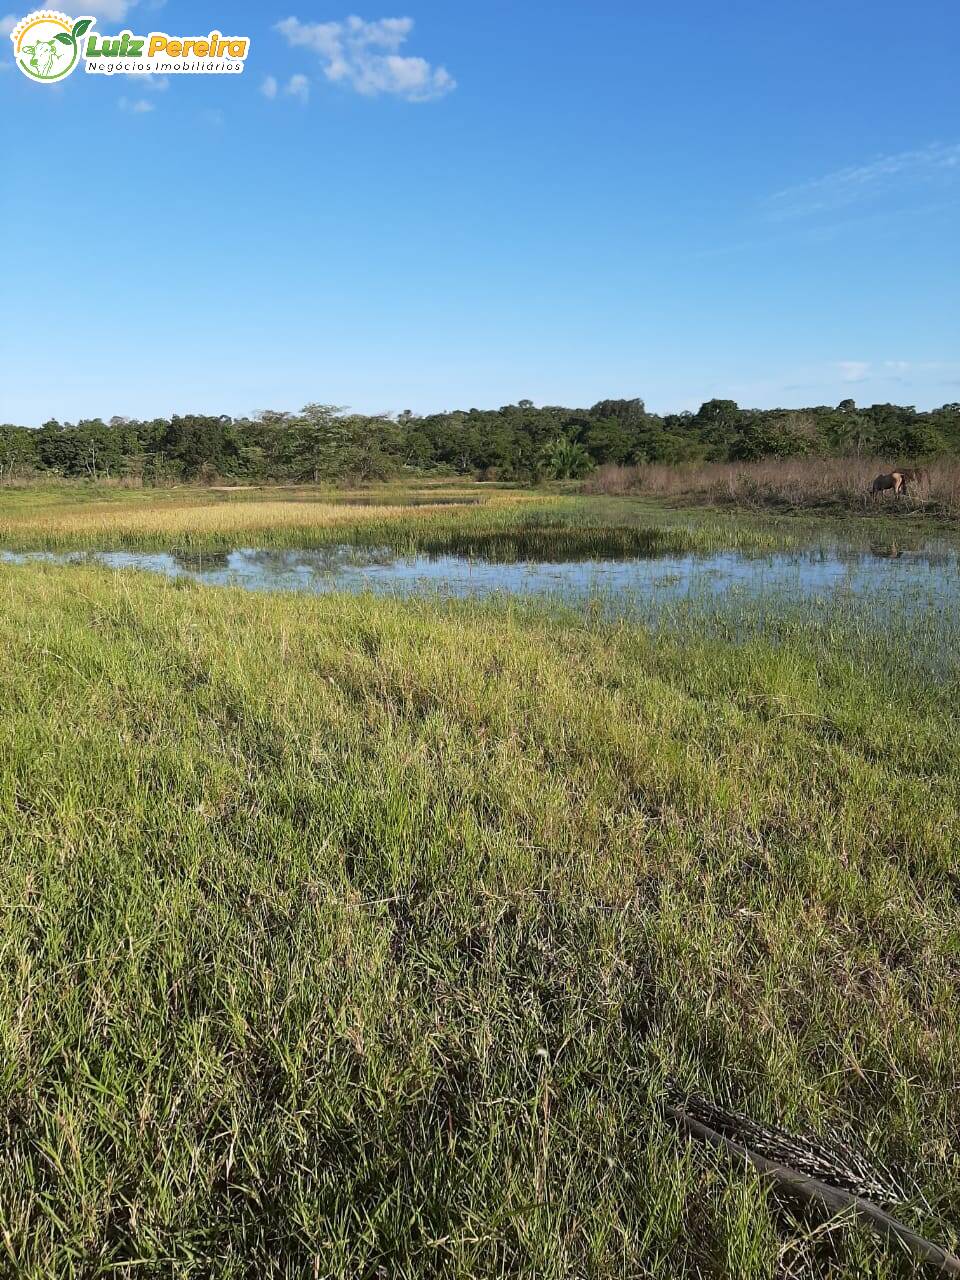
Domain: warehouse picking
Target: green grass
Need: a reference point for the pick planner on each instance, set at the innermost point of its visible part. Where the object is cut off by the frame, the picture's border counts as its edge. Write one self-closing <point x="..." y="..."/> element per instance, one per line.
<point x="345" y="937"/>
<point x="504" y="523"/>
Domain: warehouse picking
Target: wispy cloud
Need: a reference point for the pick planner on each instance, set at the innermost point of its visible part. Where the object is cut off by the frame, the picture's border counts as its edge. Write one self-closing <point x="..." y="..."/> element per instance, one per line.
<point x="112" y="9"/>
<point x="867" y="181"/>
<point x="136" y="106"/>
<point x="873" y="373"/>
<point x="365" y="56"/>
<point x="298" y="87"/>
<point x="151" y="82"/>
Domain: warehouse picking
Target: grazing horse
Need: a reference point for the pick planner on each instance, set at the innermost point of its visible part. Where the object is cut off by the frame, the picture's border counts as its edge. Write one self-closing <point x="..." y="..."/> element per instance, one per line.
<point x="892" y="480"/>
<point x="899" y="481"/>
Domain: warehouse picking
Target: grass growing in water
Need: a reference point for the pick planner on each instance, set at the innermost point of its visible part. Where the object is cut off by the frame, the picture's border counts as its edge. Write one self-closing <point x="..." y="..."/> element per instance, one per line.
<point x="341" y="934"/>
<point x="511" y="524"/>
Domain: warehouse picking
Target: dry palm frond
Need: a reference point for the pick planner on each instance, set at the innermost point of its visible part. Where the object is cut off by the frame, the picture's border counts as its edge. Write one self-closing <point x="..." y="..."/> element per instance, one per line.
<point x="831" y="1160"/>
<point x="831" y="1174"/>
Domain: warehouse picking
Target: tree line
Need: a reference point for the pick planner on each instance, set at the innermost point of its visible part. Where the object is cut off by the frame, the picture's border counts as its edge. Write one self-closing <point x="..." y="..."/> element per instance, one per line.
<point x="520" y="442"/>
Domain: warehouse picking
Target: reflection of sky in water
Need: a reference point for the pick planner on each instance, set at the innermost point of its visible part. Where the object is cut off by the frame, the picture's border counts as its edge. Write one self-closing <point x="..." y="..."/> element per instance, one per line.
<point x="927" y="578"/>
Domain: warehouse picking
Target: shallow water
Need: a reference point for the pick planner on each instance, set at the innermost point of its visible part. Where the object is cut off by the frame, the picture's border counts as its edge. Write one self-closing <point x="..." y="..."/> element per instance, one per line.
<point x="926" y="577"/>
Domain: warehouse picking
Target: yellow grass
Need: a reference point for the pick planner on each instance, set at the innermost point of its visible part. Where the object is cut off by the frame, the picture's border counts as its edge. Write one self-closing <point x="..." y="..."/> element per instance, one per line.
<point x="186" y="518"/>
<point x="189" y="523"/>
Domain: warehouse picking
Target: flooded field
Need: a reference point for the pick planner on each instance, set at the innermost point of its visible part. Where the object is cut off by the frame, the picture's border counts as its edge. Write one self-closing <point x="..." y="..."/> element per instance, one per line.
<point x="927" y="574"/>
<point x="447" y="819"/>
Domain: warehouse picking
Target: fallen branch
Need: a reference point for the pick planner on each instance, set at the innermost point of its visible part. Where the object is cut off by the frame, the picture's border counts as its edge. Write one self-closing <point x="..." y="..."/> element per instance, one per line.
<point x="812" y="1190"/>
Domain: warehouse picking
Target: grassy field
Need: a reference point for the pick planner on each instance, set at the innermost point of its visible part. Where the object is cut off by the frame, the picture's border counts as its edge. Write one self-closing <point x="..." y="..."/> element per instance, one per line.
<point x="467" y="519"/>
<point x="354" y="938"/>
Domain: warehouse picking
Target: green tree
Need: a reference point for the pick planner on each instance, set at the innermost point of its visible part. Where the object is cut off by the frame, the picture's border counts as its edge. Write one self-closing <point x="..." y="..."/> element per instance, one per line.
<point x="565" y="459"/>
<point x="18" y="453"/>
<point x="718" y="422"/>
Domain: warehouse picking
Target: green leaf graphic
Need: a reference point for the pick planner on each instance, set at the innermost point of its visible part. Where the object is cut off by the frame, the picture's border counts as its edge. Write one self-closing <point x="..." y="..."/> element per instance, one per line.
<point x="81" y="26"/>
<point x="63" y="37"/>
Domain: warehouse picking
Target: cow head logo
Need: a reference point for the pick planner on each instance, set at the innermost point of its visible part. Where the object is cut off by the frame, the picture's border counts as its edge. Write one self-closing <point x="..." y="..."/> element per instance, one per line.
<point x="46" y="44"/>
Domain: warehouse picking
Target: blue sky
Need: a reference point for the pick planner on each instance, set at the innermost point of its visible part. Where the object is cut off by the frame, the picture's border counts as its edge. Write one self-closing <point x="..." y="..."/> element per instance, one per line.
<point x="456" y="204"/>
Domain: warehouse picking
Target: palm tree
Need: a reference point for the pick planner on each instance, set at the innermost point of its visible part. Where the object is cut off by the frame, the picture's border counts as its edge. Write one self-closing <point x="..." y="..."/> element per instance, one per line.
<point x="840" y="433"/>
<point x="864" y="436"/>
<point x="564" y="459"/>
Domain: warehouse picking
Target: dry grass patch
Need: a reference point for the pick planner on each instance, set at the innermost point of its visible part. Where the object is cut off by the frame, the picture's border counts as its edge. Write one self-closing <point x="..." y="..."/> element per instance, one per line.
<point x="789" y="483"/>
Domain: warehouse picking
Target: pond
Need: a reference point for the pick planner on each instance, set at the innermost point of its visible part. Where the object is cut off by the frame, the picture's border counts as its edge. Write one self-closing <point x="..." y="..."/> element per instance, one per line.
<point x="926" y="577"/>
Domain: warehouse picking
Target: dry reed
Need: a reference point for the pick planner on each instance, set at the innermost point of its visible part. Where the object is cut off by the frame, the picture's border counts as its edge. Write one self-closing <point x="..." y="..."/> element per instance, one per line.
<point x="786" y="483"/>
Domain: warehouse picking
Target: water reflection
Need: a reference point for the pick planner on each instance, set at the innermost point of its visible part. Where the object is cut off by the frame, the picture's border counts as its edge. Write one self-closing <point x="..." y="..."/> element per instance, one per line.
<point x="886" y="572"/>
<point x="201" y="562"/>
<point x="886" y="550"/>
<point x="399" y="500"/>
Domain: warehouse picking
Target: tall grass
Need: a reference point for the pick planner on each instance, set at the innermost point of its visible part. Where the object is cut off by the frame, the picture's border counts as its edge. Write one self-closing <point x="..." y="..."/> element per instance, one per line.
<point x="348" y="938"/>
<point x="830" y="483"/>
<point x="509" y="524"/>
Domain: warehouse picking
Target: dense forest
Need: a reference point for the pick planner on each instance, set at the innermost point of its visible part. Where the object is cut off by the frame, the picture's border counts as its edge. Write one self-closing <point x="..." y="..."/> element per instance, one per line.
<point x="516" y="442"/>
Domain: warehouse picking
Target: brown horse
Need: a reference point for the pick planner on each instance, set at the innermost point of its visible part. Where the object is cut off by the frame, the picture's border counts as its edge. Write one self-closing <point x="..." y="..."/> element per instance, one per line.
<point x="899" y="481"/>
<point x="891" y="480"/>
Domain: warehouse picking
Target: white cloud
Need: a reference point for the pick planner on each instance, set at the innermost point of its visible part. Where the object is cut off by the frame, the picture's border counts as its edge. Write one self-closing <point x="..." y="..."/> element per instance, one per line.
<point x="135" y="106"/>
<point x="299" y="87"/>
<point x="111" y="9"/>
<point x="365" y="56"/>
<point x="853" y="370"/>
<point x="150" y="81"/>
<point x="114" y="10"/>
<point x="857" y="182"/>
